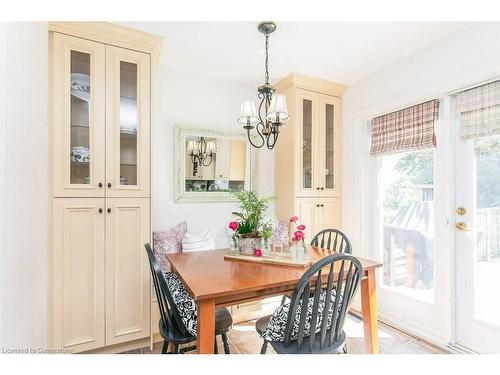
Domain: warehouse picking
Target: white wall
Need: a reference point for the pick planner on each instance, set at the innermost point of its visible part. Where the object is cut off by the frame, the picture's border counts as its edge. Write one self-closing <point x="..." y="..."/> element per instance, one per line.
<point x="25" y="186"/>
<point x="2" y="142"/>
<point x="201" y="103"/>
<point x="466" y="58"/>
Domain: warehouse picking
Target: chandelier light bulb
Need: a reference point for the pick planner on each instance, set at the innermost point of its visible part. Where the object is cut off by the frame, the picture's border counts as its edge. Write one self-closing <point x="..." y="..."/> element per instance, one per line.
<point x="248" y="114"/>
<point x="278" y="111"/>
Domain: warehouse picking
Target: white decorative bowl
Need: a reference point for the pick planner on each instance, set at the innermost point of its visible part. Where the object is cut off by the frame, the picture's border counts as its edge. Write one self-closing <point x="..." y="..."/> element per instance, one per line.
<point x="80" y="154"/>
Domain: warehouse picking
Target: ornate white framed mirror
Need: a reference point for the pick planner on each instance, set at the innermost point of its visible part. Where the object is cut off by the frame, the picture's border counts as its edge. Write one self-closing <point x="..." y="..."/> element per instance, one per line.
<point x="210" y="165"/>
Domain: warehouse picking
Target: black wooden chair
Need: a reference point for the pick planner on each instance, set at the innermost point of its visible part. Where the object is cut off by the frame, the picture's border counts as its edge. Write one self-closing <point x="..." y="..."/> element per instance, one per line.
<point x="325" y="334"/>
<point x="170" y="325"/>
<point x="332" y="239"/>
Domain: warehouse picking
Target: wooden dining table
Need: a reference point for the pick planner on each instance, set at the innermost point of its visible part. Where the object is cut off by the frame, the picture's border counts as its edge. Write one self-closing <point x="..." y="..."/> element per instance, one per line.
<point x="215" y="282"/>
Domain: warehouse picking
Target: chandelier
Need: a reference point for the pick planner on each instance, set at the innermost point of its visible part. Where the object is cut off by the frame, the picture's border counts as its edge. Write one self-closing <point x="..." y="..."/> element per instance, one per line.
<point x="268" y="124"/>
<point x="202" y="152"/>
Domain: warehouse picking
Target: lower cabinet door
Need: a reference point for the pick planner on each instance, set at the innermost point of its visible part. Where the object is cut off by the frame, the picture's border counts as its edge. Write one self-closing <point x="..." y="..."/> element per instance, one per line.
<point x="308" y="210"/>
<point x="329" y="215"/>
<point x="78" y="273"/>
<point x="128" y="292"/>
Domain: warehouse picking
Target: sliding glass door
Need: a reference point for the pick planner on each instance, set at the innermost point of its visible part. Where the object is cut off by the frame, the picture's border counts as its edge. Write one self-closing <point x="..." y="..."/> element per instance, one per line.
<point x="408" y="223"/>
<point x="410" y="285"/>
<point x="478" y="243"/>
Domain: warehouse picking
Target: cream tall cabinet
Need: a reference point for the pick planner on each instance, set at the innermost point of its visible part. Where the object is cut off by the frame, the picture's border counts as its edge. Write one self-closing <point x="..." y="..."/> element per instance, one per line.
<point x="101" y="198"/>
<point x="307" y="160"/>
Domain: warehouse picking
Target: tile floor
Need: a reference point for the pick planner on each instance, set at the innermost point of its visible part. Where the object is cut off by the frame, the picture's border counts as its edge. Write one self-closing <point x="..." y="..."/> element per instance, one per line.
<point x="243" y="339"/>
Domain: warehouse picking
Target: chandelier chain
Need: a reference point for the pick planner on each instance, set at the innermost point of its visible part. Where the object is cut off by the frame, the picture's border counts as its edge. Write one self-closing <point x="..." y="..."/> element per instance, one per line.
<point x="267" y="59"/>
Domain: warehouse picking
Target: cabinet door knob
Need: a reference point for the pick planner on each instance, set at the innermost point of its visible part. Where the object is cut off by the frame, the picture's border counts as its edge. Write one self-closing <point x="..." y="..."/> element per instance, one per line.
<point x="99" y="184"/>
<point x="317" y="205"/>
<point x="109" y="210"/>
<point x="322" y="188"/>
<point x="109" y="184"/>
<point x="322" y="205"/>
<point x="317" y="188"/>
<point x="100" y="210"/>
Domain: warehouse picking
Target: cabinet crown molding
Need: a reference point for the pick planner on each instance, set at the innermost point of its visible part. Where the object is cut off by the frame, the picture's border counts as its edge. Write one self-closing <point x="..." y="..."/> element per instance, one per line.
<point x="112" y="34"/>
<point x="310" y="83"/>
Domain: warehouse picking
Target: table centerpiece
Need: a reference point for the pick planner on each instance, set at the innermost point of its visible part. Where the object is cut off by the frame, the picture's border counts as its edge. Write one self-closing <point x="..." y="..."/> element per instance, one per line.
<point x="249" y="227"/>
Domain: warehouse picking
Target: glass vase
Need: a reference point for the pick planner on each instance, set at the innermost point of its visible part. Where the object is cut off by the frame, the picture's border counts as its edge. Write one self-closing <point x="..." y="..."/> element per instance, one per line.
<point x="266" y="251"/>
<point x="234" y="246"/>
<point x="298" y="252"/>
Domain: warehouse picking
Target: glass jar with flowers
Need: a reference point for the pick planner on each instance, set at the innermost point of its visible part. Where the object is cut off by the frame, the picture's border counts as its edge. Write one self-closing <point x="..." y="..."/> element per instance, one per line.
<point x="249" y="229"/>
<point x="298" y="249"/>
<point x="233" y="226"/>
<point x="268" y="226"/>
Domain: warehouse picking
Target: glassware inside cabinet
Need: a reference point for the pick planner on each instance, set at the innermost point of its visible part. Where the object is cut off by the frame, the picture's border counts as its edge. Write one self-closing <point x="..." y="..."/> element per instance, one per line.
<point x="329" y="147"/>
<point x="129" y="126"/>
<point x="307" y="143"/>
<point x="80" y="103"/>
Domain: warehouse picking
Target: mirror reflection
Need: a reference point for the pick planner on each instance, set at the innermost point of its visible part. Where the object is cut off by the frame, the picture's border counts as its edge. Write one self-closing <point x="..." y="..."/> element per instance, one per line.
<point x="215" y="164"/>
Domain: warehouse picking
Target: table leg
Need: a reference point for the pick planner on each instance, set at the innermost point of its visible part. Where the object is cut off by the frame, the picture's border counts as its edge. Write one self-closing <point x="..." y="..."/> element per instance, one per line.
<point x="369" y="311"/>
<point x="206" y="327"/>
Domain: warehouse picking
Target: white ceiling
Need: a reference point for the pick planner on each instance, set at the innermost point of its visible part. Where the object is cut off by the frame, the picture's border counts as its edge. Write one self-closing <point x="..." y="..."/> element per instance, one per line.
<point x="344" y="52"/>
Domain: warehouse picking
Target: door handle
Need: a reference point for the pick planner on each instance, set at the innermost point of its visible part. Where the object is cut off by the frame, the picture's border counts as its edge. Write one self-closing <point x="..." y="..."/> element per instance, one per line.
<point x="109" y="210"/>
<point x="462" y="226"/>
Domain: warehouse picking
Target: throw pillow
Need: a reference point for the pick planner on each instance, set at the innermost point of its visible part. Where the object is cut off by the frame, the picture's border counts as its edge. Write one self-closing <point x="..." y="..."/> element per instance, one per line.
<point x="185" y="304"/>
<point x="276" y="327"/>
<point x="197" y="242"/>
<point x="167" y="242"/>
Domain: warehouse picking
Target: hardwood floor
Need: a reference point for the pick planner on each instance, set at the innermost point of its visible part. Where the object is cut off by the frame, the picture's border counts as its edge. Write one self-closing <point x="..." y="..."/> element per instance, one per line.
<point x="243" y="339"/>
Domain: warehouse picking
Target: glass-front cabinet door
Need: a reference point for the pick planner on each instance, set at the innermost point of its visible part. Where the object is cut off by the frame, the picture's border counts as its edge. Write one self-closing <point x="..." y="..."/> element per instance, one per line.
<point x="128" y="122"/>
<point x="329" y="146"/>
<point x="78" y="117"/>
<point x="307" y="116"/>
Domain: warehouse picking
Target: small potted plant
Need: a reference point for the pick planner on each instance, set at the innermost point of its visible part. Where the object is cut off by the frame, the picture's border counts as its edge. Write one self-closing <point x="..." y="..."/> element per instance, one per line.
<point x="249" y="220"/>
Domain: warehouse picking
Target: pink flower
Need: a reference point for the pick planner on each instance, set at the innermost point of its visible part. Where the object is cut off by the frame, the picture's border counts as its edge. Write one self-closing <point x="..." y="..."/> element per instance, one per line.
<point x="233" y="225"/>
<point x="257" y="252"/>
<point x="298" y="235"/>
<point x="301" y="227"/>
<point x="293" y="219"/>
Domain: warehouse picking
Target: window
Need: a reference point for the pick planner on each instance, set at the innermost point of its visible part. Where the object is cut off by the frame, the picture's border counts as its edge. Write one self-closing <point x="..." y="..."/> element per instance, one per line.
<point x="408" y="200"/>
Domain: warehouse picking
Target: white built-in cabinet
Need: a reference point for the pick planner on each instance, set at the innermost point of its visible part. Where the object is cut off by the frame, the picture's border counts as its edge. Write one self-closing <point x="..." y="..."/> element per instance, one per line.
<point x="101" y="196"/>
<point x="307" y="159"/>
<point x="78" y="273"/>
<point x="128" y="293"/>
<point x="223" y="158"/>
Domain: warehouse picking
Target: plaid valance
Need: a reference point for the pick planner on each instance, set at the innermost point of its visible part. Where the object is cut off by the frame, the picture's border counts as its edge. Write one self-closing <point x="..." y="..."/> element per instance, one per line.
<point x="408" y="129"/>
<point x="479" y="111"/>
